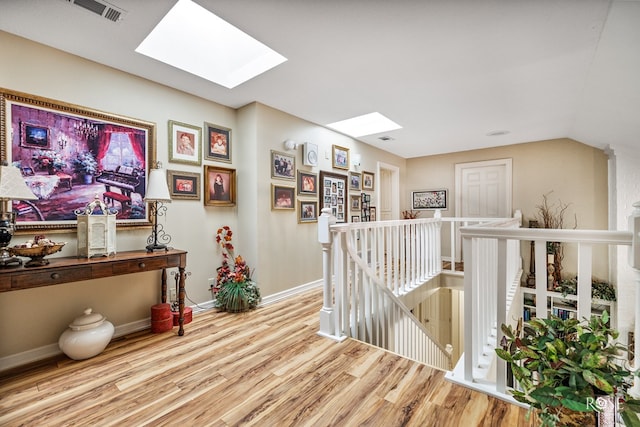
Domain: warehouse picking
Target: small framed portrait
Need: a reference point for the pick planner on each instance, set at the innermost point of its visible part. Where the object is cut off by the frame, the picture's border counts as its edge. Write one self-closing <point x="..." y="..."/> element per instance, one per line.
<point x="283" y="166"/>
<point x="368" y="179"/>
<point x="429" y="199"/>
<point x="34" y="136"/>
<point x="307" y="183"/>
<point x="218" y="145"/>
<point x="355" y="181"/>
<point x="355" y="218"/>
<point x="372" y="213"/>
<point x="282" y="197"/>
<point x="355" y="203"/>
<point x="307" y="211"/>
<point x="220" y="186"/>
<point x="184" y="143"/>
<point x="184" y="185"/>
<point x="340" y="157"/>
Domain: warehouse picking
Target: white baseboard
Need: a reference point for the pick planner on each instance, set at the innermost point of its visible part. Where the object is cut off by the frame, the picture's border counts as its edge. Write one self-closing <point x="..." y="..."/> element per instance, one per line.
<point x="51" y="350"/>
<point x="291" y="292"/>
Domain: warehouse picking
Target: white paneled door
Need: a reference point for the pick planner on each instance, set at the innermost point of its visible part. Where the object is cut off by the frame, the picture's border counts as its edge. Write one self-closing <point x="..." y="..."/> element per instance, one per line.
<point x="388" y="194"/>
<point x="483" y="189"/>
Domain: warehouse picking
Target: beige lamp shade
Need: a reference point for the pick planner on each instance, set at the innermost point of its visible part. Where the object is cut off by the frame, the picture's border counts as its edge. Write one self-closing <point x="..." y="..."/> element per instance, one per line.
<point x="12" y="185"/>
<point x="157" y="190"/>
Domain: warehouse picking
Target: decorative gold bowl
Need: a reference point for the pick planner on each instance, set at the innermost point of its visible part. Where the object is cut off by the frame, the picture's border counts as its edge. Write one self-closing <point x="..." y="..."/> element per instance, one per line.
<point x="36" y="253"/>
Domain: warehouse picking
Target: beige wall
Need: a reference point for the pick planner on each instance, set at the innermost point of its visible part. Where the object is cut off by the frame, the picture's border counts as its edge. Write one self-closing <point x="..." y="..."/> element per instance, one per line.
<point x="575" y="173"/>
<point x="288" y="252"/>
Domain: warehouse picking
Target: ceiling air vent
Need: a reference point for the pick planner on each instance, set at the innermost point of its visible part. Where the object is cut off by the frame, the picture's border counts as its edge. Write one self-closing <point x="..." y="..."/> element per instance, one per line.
<point x="385" y="138"/>
<point x="102" y="8"/>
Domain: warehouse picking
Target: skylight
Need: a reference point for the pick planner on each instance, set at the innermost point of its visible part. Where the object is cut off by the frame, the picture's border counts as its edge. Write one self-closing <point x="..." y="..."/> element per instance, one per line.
<point x="195" y="40"/>
<point x="367" y="124"/>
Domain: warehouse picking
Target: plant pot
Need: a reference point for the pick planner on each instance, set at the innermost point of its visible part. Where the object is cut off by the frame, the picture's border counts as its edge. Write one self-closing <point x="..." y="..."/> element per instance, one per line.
<point x="571" y="418"/>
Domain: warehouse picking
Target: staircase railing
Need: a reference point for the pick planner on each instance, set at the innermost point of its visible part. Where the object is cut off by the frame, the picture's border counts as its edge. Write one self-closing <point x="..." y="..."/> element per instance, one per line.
<point x="367" y="266"/>
<point x="487" y="306"/>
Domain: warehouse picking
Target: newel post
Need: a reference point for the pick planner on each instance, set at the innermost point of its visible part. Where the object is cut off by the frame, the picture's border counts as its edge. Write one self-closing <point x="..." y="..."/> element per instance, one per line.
<point x="634" y="262"/>
<point x="325" y="220"/>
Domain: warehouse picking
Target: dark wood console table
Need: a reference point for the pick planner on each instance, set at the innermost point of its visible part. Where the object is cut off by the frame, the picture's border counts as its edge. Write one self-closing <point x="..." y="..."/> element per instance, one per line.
<point x="74" y="269"/>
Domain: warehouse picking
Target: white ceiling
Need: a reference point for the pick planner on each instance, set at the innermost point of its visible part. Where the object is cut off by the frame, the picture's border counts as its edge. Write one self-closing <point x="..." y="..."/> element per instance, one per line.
<point x="448" y="71"/>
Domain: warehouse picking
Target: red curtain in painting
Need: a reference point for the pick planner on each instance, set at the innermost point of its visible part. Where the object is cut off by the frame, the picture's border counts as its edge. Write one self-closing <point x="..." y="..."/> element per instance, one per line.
<point x="136" y="137"/>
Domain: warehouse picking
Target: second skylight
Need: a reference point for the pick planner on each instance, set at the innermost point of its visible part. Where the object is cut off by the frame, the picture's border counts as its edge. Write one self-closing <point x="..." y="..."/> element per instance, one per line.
<point x="367" y="124"/>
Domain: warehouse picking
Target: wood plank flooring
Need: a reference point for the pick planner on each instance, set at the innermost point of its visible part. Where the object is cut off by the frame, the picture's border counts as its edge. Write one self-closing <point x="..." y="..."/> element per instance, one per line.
<point x="267" y="367"/>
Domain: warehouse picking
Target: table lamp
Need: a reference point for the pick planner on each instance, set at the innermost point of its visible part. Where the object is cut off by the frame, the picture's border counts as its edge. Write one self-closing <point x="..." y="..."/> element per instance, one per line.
<point x="157" y="193"/>
<point x="12" y="187"/>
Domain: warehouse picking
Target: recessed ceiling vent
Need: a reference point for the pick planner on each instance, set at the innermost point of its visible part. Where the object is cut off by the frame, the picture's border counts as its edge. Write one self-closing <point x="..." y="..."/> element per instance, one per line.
<point x="102" y="8"/>
<point x="385" y="138"/>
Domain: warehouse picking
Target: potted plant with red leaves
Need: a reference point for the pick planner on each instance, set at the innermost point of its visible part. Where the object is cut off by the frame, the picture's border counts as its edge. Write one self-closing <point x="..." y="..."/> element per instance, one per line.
<point x="234" y="290"/>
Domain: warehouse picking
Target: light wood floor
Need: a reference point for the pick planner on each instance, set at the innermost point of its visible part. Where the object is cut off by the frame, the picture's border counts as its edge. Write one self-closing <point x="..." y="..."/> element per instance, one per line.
<point x="267" y="367"/>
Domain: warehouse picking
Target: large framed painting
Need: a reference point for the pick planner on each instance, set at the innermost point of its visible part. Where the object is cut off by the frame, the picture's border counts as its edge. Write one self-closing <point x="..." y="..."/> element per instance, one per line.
<point x="333" y="194"/>
<point x="429" y="199"/>
<point x="220" y="186"/>
<point x="69" y="154"/>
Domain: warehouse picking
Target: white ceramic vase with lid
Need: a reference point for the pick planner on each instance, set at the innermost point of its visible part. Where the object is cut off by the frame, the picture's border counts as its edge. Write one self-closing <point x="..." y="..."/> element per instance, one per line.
<point x="86" y="336"/>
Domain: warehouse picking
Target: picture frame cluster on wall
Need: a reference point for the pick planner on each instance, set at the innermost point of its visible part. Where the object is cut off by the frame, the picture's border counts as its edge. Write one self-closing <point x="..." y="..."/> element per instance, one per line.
<point x="187" y="145"/>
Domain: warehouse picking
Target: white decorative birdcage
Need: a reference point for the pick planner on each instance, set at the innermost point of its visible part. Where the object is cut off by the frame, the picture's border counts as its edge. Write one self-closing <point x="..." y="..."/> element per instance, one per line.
<point x="96" y="229"/>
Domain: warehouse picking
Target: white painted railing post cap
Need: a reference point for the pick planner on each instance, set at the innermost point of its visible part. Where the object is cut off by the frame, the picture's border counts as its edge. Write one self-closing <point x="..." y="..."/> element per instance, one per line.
<point x="324" y="221"/>
<point x="634" y="227"/>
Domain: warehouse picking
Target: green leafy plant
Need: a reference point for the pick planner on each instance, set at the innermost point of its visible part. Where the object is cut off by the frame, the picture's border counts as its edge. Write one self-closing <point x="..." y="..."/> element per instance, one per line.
<point x="565" y="364"/>
<point x="85" y="164"/>
<point x="599" y="289"/>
